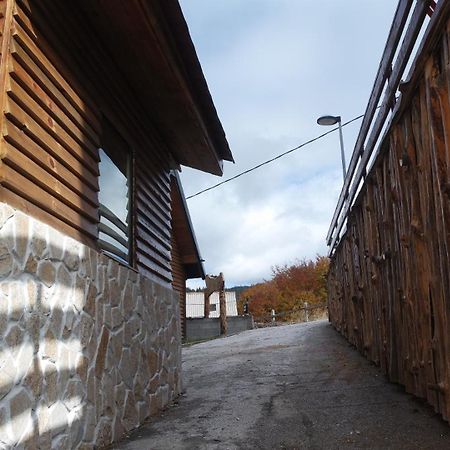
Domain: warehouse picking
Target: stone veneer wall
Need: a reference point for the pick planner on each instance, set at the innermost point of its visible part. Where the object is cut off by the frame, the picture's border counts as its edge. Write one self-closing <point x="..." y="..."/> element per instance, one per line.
<point x="88" y="347"/>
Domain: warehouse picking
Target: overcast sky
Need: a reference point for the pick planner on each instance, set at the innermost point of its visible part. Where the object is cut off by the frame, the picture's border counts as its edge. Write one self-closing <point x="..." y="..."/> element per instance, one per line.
<point x="273" y="67"/>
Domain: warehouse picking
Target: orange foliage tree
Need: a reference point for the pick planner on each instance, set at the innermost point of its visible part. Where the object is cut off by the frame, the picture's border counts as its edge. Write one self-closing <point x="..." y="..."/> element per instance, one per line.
<point x="288" y="289"/>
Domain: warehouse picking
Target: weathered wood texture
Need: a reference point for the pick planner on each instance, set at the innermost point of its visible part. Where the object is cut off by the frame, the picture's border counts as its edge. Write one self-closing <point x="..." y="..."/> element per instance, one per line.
<point x="389" y="279"/>
<point x="179" y="283"/>
<point x="60" y="83"/>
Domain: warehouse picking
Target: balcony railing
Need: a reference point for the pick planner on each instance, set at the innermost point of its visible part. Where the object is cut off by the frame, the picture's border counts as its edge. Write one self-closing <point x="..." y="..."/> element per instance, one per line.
<point x="410" y="35"/>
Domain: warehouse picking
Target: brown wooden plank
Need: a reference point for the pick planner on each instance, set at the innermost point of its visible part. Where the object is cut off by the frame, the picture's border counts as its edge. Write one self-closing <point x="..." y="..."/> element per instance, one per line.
<point x="84" y="106"/>
<point x="40" y="177"/>
<point x="22" y="186"/>
<point x="56" y="167"/>
<point x="29" y="208"/>
<point x="29" y="126"/>
<point x="148" y="265"/>
<point x="148" y="252"/>
<point x="150" y="241"/>
<point x="81" y="134"/>
<point x="81" y="150"/>
<point x="31" y="75"/>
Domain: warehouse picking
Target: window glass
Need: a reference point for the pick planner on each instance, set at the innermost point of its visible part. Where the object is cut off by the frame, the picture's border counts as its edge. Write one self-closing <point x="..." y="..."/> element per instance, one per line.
<point x="113" y="197"/>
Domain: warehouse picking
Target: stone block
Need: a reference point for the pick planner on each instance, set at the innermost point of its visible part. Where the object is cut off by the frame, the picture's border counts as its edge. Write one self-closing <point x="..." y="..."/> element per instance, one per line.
<point x="7" y="373"/>
<point x="154" y="404"/>
<point x="76" y="429"/>
<point x="44" y="426"/>
<point x="56" y="322"/>
<point x="118" y="429"/>
<point x="14" y="338"/>
<point x="6" y="261"/>
<point x="46" y="273"/>
<point x="107" y="390"/>
<point x="114" y="292"/>
<point x="90" y="304"/>
<point x="51" y="383"/>
<point x="143" y="411"/>
<point x="154" y="384"/>
<point x="101" y="353"/>
<point x="116" y="344"/>
<point x="58" y="418"/>
<point x="113" y="269"/>
<point x="31" y="264"/>
<point x="39" y="239"/>
<point x="119" y="395"/>
<point x="107" y="315"/>
<point x="20" y="412"/>
<point x="152" y="361"/>
<point x="33" y="378"/>
<point x="86" y="329"/>
<point x="130" y="416"/>
<point x="127" y="367"/>
<point x="21" y="235"/>
<point x="127" y="301"/>
<point x="73" y="394"/>
<point x="50" y="348"/>
<point x="90" y="422"/>
<point x="55" y="245"/>
<point x="81" y="367"/>
<point x="71" y="258"/>
<point x="131" y="329"/>
<point x="6" y="213"/>
<point x="90" y="390"/>
<point x="116" y="317"/>
<point x="103" y="432"/>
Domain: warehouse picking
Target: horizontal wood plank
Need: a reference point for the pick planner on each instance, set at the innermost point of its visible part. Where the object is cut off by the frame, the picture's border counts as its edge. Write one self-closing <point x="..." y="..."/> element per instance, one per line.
<point x="57" y="167"/>
<point x="22" y="186"/>
<point x="40" y="177"/>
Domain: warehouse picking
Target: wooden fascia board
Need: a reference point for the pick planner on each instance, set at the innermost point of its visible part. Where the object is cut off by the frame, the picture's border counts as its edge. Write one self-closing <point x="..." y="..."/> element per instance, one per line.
<point x="183" y="229"/>
<point x="164" y="35"/>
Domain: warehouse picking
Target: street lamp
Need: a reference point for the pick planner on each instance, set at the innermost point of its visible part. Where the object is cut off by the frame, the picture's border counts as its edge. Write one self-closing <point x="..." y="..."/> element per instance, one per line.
<point x="333" y="120"/>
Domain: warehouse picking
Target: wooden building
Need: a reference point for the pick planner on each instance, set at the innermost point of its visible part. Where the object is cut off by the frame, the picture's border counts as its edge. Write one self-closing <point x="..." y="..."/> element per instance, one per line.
<point x="101" y="102"/>
<point x="186" y="260"/>
<point x="389" y="284"/>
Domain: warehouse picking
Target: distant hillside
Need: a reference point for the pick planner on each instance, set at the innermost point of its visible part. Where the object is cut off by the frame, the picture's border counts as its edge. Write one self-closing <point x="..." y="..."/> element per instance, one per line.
<point x="237" y="289"/>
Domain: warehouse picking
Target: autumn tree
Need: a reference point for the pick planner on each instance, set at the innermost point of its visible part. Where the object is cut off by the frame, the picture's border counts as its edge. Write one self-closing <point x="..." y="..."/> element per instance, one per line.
<point x="288" y="289"/>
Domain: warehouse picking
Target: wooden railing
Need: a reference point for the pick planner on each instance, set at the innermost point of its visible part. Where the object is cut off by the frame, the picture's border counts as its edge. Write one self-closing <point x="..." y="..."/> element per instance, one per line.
<point x="410" y="17"/>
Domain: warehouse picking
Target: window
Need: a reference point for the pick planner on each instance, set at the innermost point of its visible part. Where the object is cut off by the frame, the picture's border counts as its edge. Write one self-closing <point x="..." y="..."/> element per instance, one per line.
<point x="213" y="307"/>
<point x="114" y="196"/>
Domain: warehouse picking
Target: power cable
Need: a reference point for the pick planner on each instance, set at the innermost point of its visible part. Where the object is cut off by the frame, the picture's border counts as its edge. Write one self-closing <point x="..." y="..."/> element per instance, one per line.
<point x="245" y="172"/>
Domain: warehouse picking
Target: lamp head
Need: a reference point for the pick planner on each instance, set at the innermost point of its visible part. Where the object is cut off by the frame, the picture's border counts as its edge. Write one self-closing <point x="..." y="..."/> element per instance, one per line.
<point x="328" y="120"/>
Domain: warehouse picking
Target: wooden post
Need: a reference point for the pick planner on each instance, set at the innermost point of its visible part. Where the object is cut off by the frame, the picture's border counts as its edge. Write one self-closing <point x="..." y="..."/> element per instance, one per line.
<point x="216" y="284"/>
<point x="206" y="305"/>
<point x="223" y="308"/>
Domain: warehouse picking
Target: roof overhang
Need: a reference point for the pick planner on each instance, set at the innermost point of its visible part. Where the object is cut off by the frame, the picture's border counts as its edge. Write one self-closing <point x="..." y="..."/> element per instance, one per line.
<point x="183" y="231"/>
<point x="150" y="43"/>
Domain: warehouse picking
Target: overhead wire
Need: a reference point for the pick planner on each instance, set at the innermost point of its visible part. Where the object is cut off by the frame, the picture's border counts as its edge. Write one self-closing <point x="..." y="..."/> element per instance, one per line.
<point x="264" y="163"/>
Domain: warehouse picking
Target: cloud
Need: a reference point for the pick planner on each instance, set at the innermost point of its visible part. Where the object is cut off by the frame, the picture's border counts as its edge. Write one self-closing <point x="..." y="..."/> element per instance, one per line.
<point x="273" y="67"/>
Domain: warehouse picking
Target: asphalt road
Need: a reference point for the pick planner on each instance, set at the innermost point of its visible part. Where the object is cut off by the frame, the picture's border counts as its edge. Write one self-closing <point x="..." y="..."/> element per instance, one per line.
<point x="291" y="387"/>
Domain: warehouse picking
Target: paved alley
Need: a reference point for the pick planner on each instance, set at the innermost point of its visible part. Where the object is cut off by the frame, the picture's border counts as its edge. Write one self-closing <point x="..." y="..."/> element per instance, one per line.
<point x="291" y="387"/>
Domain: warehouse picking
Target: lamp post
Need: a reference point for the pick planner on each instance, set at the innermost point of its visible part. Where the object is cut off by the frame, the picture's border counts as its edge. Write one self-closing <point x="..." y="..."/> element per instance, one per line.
<point x="333" y="120"/>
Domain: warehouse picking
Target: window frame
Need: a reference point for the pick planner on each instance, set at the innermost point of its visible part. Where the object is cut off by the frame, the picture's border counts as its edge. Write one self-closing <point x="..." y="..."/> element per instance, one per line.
<point x="110" y="138"/>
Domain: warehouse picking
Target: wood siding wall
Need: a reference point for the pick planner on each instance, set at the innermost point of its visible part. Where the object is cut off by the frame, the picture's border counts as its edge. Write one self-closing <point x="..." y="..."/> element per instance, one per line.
<point x="59" y="84"/>
<point x="389" y="279"/>
<point x="179" y="283"/>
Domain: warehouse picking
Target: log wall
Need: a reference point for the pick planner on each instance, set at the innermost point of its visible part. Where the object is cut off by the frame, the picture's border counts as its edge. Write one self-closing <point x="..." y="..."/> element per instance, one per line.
<point x="179" y="283"/>
<point x="389" y="279"/>
<point x="56" y="84"/>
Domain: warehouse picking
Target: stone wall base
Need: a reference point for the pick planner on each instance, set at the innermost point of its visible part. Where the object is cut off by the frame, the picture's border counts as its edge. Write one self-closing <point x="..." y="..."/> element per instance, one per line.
<point x="88" y="347"/>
